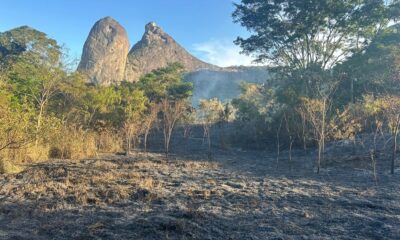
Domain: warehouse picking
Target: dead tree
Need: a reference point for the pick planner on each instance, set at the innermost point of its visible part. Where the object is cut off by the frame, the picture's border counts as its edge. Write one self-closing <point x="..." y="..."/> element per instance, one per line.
<point x="172" y="111"/>
<point x="149" y="120"/>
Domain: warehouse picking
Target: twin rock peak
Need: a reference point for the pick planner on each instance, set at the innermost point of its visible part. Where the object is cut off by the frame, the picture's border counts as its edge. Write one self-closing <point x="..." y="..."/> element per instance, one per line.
<point x="106" y="58"/>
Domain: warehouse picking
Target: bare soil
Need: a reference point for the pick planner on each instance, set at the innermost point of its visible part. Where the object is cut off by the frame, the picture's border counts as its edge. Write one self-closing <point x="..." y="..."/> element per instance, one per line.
<point x="237" y="195"/>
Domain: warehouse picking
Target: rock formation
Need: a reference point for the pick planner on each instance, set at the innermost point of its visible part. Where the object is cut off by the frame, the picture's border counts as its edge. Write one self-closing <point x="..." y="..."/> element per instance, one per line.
<point x="105" y="52"/>
<point x="157" y="49"/>
<point x="106" y="60"/>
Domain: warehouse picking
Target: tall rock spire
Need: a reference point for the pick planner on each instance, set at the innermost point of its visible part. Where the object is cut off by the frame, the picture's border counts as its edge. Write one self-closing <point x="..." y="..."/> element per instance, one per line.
<point x="157" y="49"/>
<point x="105" y="52"/>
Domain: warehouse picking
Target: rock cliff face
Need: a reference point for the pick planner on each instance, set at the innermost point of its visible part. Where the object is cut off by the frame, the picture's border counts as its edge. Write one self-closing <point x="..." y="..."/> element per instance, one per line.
<point x="157" y="49"/>
<point x="105" y="53"/>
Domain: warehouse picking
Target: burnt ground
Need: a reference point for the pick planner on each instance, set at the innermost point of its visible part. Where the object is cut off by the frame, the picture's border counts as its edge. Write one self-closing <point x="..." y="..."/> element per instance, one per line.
<point x="237" y="195"/>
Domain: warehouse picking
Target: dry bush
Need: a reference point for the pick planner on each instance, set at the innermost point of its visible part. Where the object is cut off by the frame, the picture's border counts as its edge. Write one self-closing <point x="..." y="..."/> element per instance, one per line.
<point x="73" y="143"/>
<point x="8" y="167"/>
<point x="19" y="157"/>
<point x="13" y="160"/>
<point x="110" y="142"/>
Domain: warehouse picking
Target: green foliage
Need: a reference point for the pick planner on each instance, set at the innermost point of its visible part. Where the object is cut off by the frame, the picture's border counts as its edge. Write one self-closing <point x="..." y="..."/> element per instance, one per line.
<point x="257" y="103"/>
<point x="211" y="111"/>
<point x="375" y="70"/>
<point x="386" y="107"/>
<point x="30" y="44"/>
<point x="257" y="114"/>
<point x="166" y="83"/>
<point x="299" y="34"/>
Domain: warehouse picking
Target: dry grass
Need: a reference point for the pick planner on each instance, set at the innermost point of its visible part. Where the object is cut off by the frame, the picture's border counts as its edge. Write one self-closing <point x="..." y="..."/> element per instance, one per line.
<point x="109" y="142"/>
<point x="9" y="168"/>
<point x="147" y="183"/>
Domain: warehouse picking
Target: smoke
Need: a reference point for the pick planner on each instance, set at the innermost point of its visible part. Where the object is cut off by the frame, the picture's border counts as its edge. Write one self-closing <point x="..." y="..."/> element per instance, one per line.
<point x="225" y="84"/>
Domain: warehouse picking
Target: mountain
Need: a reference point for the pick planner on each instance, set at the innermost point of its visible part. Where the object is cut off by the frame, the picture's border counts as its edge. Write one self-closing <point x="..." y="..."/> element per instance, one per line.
<point x="105" y="52"/>
<point x="157" y="49"/>
<point x="106" y="61"/>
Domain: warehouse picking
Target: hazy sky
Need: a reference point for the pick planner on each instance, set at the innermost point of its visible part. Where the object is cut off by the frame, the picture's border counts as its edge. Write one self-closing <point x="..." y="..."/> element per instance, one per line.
<point x="203" y="27"/>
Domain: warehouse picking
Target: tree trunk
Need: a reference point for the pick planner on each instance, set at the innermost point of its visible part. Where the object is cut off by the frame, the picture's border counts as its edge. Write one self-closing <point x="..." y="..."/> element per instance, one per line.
<point x="167" y="139"/>
<point x="319" y="156"/>
<point x="278" y="145"/>
<point x="208" y="136"/>
<point x="394" y="152"/>
<point x="290" y="152"/>
<point x="145" y="140"/>
<point x="39" y="124"/>
<point x="128" y="144"/>
<point x="322" y="151"/>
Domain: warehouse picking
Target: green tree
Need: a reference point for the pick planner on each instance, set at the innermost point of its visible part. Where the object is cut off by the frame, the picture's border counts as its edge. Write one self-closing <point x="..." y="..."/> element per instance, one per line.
<point x="167" y="88"/>
<point x="374" y="70"/>
<point x="134" y="105"/>
<point x="303" y="41"/>
<point x="257" y="112"/>
<point x="37" y="84"/>
<point x="301" y="34"/>
<point x="31" y="44"/>
<point x="166" y="83"/>
<point x="33" y="65"/>
<point x="16" y="129"/>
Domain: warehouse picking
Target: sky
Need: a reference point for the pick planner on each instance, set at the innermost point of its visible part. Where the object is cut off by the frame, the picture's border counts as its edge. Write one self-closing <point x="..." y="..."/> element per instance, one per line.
<point x="204" y="27"/>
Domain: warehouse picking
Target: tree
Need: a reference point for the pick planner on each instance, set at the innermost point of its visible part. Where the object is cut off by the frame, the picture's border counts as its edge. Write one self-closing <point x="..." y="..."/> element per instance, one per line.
<point x="134" y="105"/>
<point x="167" y="88"/>
<point x="304" y="40"/>
<point x="257" y="113"/>
<point x="150" y="117"/>
<point x="15" y="128"/>
<point x="375" y="69"/>
<point x="172" y="111"/>
<point x="211" y="113"/>
<point x="226" y="116"/>
<point x="388" y="107"/>
<point x="30" y="44"/>
<point x="318" y="113"/>
<point x="165" y="83"/>
<point x="301" y="34"/>
<point x="36" y="84"/>
<point x="33" y="65"/>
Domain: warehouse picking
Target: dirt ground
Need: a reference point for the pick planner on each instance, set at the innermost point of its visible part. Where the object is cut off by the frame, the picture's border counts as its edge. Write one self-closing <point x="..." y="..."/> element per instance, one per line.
<point x="237" y="195"/>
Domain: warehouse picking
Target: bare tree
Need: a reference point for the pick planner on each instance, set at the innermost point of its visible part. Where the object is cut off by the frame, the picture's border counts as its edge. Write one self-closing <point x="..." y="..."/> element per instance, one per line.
<point x="131" y="129"/>
<point x="172" y="111"/>
<point x="149" y="120"/>
<point x="391" y="111"/>
<point x="211" y="112"/>
<point x="278" y="142"/>
<point x="317" y="111"/>
<point x="290" y="136"/>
